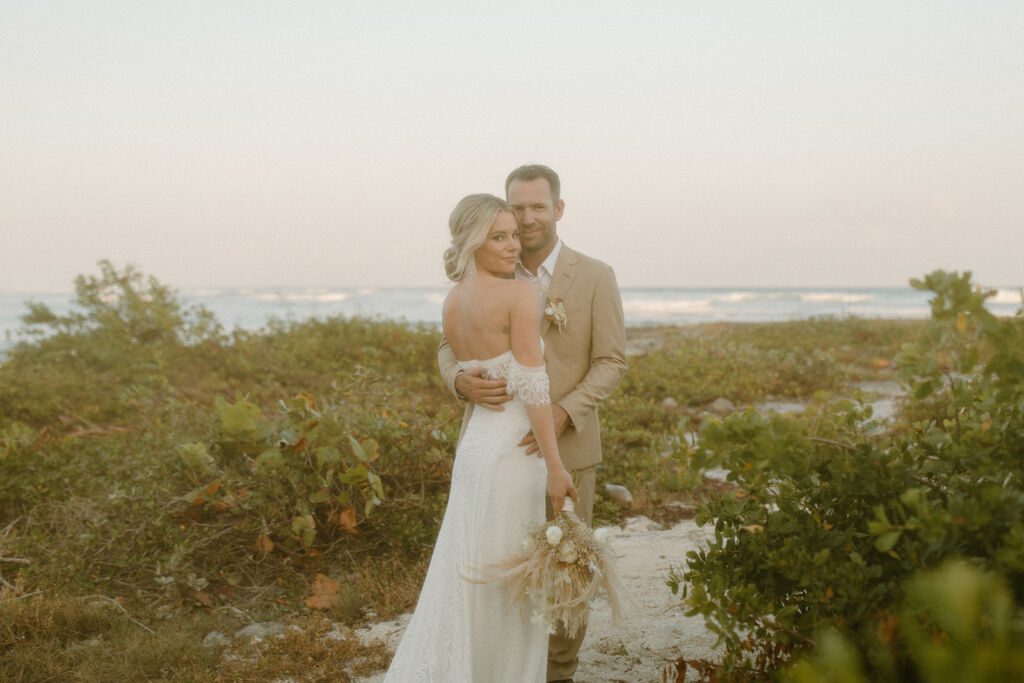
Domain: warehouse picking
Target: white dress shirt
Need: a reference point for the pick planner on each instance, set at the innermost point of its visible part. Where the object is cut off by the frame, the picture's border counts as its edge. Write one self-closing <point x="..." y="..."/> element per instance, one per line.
<point x="545" y="272"/>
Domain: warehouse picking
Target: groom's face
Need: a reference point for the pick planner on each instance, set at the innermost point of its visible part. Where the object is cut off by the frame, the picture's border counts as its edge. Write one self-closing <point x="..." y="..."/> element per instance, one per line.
<point x="537" y="213"/>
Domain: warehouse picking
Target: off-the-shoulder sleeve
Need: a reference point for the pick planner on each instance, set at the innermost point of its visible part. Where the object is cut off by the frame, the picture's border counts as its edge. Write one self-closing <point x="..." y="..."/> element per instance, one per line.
<point x="529" y="384"/>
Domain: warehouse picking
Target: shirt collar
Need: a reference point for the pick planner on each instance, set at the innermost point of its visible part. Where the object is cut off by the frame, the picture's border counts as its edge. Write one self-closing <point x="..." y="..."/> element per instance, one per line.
<point x="545" y="271"/>
<point x="549" y="262"/>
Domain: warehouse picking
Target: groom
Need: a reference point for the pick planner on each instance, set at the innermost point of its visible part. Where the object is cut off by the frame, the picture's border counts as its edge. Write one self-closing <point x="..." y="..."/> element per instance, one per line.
<point x="584" y="349"/>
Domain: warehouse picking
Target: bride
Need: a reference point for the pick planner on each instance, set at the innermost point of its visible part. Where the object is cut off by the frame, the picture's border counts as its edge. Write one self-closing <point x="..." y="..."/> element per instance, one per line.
<point x="463" y="632"/>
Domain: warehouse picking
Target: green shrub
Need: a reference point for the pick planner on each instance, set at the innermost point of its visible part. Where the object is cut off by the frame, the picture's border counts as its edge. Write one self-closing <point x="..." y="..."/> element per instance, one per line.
<point x="295" y="479"/>
<point x="109" y="356"/>
<point x="123" y="469"/>
<point x="697" y="370"/>
<point x="955" y="623"/>
<point x="832" y="517"/>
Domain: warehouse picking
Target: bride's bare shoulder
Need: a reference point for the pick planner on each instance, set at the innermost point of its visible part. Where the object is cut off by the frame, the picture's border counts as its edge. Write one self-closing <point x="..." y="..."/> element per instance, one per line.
<point x="521" y="293"/>
<point x="453" y="295"/>
<point x="518" y="289"/>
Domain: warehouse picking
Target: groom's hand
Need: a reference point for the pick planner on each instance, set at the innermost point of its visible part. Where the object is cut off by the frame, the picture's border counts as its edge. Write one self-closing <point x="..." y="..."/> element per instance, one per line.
<point x="489" y="393"/>
<point x="562" y="421"/>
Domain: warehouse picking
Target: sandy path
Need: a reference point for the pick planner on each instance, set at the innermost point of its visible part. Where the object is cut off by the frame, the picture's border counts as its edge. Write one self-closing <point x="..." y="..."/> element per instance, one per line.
<point x="657" y="631"/>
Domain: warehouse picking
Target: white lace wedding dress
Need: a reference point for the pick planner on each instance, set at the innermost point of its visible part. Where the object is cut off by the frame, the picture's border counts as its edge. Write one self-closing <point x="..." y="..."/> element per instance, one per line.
<point x="463" y="632"/>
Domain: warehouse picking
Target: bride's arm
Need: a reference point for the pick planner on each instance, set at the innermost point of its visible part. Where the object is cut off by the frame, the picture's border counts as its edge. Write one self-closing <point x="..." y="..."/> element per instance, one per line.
<point x="534" y="392"/>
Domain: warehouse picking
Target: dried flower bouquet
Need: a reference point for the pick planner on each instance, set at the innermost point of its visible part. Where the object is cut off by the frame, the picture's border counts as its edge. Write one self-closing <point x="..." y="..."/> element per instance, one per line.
<point x="562" y="567"/>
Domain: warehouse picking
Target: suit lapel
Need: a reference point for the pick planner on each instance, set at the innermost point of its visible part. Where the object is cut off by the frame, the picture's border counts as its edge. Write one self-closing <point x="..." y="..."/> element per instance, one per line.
<point x="561" y="281"/>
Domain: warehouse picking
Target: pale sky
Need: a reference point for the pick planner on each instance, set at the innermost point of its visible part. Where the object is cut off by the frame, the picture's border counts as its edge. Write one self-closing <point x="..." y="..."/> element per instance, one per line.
<point x="325" y="143"/>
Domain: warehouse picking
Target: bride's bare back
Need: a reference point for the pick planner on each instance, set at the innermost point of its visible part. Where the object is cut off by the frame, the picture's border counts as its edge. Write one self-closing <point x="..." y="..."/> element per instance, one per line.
<point x="485" y="316"/>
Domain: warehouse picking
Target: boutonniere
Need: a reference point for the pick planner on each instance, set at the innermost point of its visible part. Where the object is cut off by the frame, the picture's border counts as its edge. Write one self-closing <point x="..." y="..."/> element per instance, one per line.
<point x="555" y="312"/>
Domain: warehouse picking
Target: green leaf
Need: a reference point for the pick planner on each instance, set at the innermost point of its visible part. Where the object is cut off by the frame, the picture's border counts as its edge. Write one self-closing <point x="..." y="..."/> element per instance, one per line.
<point x="371" y="448"/>
<point x="353" y="475"/>
<point x="911" y="497"/>
<point x="924" y="389"/>
<point x="305" y="527"/>
<point x="885" y="542"/>
<point x="269" y="460"/>
<point x="327" y="455"/>
<point x="376" y="483"/>
<point x="881" y="516"/>
<point x="370" y="504"/>
<point x="357" y="448"/>
<point x="241" y="420"/>
<point x="196" y="456"/>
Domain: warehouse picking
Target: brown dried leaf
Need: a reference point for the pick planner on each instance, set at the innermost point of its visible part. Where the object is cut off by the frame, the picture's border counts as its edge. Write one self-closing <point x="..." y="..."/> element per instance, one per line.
<point x="347" y="520"/>
<point x="325" y="593"/>
<point x="264" y="544"/>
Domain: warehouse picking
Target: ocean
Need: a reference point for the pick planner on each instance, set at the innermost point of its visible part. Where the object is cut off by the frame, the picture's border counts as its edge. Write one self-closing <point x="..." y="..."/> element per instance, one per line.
<point x="250" y="308"/>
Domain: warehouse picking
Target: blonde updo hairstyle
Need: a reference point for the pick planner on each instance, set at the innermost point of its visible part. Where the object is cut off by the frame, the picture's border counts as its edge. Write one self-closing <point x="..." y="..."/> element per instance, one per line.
<point x="469" y="224"/>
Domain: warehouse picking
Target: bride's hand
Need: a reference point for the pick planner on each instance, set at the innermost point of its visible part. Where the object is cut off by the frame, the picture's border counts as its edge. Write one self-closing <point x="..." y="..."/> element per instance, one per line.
<point x="560" y="486"/>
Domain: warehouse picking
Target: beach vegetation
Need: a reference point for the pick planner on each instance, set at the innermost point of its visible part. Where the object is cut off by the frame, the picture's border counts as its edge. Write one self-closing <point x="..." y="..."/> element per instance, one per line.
<point x="160" y="474"/>
<point x="844" y="536"/>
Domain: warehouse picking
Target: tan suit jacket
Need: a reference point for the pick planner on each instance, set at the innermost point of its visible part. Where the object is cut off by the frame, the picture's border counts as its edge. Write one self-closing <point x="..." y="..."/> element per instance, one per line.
<point x="585" y="361"/>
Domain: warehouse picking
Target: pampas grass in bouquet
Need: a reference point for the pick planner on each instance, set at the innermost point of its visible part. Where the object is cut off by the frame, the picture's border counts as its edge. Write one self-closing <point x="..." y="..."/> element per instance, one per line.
<point x="561" y="569"/>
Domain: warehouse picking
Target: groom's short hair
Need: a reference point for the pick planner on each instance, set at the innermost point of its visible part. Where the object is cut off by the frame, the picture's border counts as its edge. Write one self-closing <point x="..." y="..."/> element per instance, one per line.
<point x="532" y="172"/>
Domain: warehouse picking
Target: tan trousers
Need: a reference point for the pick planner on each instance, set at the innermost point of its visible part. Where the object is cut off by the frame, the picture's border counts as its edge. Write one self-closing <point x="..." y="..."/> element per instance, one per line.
<point x="563" y="652"/>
